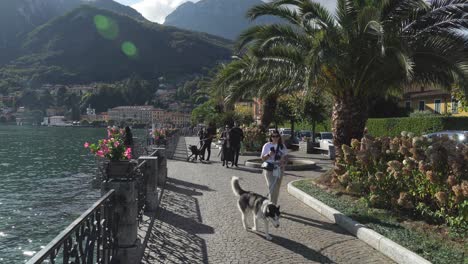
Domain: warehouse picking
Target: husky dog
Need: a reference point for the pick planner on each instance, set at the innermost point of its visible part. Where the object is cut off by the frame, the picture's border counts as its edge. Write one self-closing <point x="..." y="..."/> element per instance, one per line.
<point x="260" y="207"/>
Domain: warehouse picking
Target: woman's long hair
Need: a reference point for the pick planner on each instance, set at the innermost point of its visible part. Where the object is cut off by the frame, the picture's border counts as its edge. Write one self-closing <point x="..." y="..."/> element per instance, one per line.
<point x="280" y="140"/>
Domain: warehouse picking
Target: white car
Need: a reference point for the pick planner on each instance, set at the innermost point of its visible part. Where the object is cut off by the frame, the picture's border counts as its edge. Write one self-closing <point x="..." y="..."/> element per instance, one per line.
<point x="285" y="133"/>
<point x="459" y="135"/>
<point x="325" y="139"/>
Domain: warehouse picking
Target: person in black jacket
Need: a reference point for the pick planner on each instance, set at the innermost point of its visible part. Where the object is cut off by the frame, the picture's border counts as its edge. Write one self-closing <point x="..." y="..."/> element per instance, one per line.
<point x="226" y="150"/>
<point x="128" y="138"/>
<point x="236" y="136"/>
<point x="207" y="139"/>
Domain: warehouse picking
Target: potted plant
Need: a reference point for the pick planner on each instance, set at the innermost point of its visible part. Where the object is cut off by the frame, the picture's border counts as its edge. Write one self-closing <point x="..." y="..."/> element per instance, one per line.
<point x="113" y="149"/>
<point x="159" y="136"/>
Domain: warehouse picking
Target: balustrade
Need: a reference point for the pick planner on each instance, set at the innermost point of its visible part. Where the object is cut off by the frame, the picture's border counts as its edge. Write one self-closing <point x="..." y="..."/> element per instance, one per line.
<point x="107" y="232"/>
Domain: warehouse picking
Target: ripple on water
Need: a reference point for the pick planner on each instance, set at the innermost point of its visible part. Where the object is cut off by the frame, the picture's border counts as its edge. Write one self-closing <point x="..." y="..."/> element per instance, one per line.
<point x="45" y="180"/>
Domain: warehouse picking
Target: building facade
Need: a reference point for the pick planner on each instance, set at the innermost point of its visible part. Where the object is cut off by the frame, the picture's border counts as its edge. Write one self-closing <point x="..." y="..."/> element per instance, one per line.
<point x="434" y="99"/>
<point x="141" y="114"/>
<point x="149" y="115"/>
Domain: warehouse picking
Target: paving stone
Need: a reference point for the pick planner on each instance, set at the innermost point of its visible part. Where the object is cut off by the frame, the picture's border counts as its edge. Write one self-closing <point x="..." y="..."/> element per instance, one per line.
<point x="199" y="222"/>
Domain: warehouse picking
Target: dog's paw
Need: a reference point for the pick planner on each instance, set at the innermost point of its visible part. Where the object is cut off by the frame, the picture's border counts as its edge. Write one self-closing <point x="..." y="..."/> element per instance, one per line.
<point x="268" y="237"/>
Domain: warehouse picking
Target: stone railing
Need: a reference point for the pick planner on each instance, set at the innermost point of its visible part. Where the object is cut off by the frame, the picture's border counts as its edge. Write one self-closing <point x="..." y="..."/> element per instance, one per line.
<point x="108" y="231"/>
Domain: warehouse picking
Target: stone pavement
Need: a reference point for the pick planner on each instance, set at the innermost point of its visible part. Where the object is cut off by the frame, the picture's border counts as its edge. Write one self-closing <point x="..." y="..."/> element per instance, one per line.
<point x="199" y="222"/>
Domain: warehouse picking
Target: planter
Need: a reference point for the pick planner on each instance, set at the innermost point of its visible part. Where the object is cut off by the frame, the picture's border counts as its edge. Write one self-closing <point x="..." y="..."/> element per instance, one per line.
<point x="119" y="169"/>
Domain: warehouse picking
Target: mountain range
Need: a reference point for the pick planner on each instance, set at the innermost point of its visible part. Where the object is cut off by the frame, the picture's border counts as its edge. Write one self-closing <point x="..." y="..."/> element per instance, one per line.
<point x="225" y="18"/>
<point x="18" y="17"/>
<point x="89" y="44"/>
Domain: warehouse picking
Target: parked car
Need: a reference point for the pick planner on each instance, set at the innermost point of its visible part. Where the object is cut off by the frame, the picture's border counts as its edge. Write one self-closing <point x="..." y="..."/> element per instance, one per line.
<point x="304" y="134"/>
<point x="325" y="139"/>
<point x="459" y="135"/>
<point x="285" y="133"/>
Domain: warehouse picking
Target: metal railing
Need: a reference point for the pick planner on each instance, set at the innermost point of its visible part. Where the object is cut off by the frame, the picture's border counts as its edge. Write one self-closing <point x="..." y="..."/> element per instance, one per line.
<point x="92" y="238"/>
<point x="89" y="239"/>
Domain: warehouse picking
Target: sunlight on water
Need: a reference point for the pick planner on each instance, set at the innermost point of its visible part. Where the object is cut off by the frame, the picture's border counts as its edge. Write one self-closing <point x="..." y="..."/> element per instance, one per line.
<point x="45" y="183"/>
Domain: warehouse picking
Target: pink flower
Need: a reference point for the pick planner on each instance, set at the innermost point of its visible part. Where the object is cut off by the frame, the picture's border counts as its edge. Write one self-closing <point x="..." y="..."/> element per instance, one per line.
<point x="86" y="145"/>
<point x="128" y="153"/>
<point x="100" y="153"/>
<point x="116" y="144"/>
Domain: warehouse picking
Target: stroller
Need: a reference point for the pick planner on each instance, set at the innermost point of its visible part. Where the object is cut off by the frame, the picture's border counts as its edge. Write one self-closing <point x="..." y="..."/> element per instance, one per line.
<point x="195" y="153"/>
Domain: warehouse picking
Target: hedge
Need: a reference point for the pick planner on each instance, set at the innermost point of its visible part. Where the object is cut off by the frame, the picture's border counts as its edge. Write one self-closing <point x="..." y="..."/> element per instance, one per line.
<point x="393" y="126"/>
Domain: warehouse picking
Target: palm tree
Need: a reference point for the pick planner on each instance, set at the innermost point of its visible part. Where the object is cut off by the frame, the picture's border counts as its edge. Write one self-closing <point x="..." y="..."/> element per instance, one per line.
<point x="253" y="76"/>
<point x="367" y="48"/>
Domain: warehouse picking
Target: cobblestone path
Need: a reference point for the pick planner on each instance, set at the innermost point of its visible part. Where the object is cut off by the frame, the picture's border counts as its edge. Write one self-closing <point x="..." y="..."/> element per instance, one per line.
<point x="199" y="222"/>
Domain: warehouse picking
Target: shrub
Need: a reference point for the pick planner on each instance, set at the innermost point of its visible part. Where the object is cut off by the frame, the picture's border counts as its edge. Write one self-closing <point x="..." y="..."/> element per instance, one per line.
<point x="415" y="174"/>
<point x="254" y="138"/>
<point x="426" y="113"/>
<point x="393" y="126"/>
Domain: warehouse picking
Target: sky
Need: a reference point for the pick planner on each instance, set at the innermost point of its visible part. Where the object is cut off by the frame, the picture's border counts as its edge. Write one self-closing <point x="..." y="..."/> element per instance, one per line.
<point x="154" y="10"/>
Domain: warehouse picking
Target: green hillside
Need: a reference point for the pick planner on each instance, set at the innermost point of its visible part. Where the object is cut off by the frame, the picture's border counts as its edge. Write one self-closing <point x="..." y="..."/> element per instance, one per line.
<point x="90" y="44"/>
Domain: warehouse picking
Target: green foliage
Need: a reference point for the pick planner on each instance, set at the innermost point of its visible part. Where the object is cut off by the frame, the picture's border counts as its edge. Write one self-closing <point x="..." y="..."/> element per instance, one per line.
<point x="204" y="113"/>
<point x="430" y="246"/>
<point x="419" y="114"/>
<point x="254" y="138"/>
<point x="419" y="126"/>
<point x="54" y="52"/>
<point x="427" y="177"/>
<point x="131" y="91"/>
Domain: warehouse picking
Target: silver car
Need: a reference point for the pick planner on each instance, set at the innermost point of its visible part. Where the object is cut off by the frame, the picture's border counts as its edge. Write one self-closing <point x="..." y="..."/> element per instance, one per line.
<point x="458" y="135"/>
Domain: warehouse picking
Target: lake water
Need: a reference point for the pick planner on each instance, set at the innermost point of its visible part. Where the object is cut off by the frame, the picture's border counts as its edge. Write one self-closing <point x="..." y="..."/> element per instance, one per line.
<point x="45" y="183"/>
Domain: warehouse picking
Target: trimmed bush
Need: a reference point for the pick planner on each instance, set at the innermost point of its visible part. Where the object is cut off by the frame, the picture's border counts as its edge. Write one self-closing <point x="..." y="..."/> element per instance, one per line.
<point x="425" y="176"/>
<point x="393" y="126"/>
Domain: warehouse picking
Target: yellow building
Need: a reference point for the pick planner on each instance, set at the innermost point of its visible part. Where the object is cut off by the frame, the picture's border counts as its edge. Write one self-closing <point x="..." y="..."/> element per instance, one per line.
<point x="423" y="98"/>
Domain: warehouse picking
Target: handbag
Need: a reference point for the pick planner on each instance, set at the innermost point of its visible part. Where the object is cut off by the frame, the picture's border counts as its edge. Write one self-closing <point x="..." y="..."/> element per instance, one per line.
<point x="268" y="166"/>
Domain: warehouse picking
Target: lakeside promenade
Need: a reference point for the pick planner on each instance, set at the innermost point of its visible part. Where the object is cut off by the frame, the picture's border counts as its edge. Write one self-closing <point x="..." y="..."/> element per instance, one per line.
<point x="198" y="221"/>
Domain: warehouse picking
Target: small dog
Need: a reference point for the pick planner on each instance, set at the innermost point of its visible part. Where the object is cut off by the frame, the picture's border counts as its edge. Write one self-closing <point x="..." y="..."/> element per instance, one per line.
<point x="260" y="207"/>
<point x="195" y="152"/>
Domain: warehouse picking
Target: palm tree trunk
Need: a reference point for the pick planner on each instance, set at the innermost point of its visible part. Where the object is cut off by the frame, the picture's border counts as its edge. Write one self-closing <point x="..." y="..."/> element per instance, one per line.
<point x="349" y="119"/>
<point x="269" y="108"/>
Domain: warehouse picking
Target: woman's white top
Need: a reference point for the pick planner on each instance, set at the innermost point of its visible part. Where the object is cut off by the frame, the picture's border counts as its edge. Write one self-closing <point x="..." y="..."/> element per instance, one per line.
<point x="267" y="147"/>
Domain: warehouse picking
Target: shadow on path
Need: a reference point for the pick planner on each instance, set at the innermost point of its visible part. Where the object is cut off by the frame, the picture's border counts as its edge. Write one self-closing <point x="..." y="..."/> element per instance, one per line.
<point x="299" y="248"/>
<point x="174" y="237"/>
<point x="311" y="222"/>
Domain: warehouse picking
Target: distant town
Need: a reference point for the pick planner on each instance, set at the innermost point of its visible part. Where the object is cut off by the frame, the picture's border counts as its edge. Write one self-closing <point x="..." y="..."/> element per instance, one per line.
<point x="14" y="108"/>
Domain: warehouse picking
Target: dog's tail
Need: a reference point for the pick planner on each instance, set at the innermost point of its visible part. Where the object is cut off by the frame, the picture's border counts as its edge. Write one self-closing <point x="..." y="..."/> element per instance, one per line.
<point x="236" y="187"/>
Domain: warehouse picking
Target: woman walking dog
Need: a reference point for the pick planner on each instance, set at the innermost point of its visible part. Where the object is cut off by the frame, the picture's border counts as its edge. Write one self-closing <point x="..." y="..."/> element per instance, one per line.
<point x="274" y="156"/>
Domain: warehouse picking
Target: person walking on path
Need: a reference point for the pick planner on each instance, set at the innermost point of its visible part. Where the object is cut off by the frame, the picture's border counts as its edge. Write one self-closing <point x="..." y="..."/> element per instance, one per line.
<point x="236" y="136"/>
<point x="226" y="148"/>
<point x="274" y="152"/>
<point x="201" y="135"/>
<point x="207" y="139"/>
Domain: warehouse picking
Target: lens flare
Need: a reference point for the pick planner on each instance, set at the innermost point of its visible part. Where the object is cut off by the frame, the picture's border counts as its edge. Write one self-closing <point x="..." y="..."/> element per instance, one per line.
<point x="106" y="27"/>
<point x="129" y="49"/>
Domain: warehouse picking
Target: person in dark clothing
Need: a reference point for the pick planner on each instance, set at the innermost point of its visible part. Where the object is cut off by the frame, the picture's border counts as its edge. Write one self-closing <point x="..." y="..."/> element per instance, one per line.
<point x="226" y="150"/>
<point x="207" y="139"/>
<point x="236" y="136"/>
<point x="128" y="138"/>
<point x="201" y="135"/>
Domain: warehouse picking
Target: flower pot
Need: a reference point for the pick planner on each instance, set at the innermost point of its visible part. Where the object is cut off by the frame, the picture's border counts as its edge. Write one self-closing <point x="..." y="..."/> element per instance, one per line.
<point x="119" y="169"/>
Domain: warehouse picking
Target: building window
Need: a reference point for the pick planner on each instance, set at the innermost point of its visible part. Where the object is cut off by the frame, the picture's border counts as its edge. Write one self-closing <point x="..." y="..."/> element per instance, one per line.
<point x="454" y="106"/>
<point x="437" y="103"/>
<point x="408" y="105"/>
<point x="422" y="105"/>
